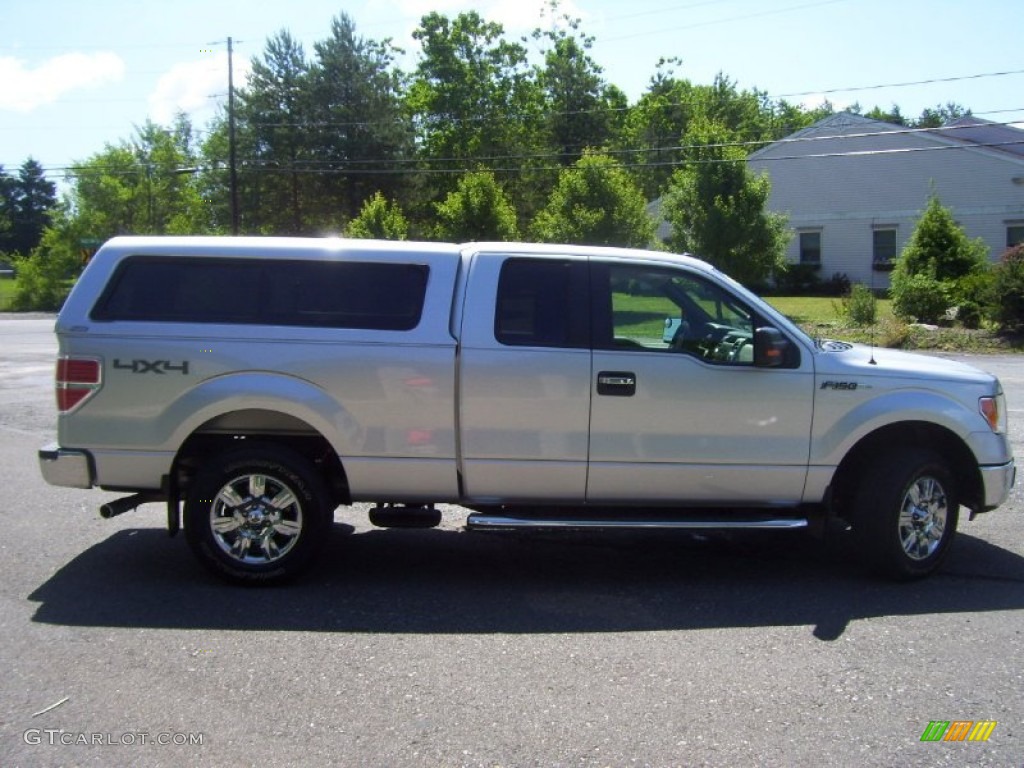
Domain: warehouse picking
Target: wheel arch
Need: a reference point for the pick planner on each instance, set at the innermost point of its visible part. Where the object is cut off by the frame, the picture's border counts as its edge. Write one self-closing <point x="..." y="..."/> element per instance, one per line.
<point x="899" y="437"/>
<point x="244" y="427"/>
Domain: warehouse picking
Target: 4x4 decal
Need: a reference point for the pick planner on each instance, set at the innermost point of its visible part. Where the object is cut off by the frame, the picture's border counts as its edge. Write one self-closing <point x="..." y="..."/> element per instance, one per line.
<point x="151" y="366"/>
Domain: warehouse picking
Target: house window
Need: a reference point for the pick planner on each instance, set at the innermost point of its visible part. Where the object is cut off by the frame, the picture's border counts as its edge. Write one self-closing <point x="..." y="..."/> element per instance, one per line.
<point x="883" y="248"/>
<point x="1014" y="234"/>
<point x="810" y="247"/>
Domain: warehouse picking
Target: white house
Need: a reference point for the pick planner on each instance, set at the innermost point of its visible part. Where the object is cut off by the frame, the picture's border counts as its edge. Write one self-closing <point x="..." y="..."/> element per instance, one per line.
<point x="853" y="188"/>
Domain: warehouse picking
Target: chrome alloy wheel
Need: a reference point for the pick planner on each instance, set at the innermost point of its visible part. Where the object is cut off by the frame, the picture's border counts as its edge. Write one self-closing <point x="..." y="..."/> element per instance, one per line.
<point x="256" y="519"/>
<point x="923" y="517"/>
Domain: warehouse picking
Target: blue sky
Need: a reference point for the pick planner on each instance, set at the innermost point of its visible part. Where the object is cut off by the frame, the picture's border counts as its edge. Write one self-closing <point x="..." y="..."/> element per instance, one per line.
<point x="76" y="75"/>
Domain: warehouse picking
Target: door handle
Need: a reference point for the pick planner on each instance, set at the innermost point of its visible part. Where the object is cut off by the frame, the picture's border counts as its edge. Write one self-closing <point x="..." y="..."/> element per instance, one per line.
<point x="616" y="383"/>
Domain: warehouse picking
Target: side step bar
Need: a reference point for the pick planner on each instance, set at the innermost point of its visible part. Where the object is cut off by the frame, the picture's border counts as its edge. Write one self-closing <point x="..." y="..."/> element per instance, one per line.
<point x="480" y="521"/>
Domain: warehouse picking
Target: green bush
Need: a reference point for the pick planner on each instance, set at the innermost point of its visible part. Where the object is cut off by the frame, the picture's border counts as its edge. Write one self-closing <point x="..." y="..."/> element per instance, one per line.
<point x="44" y="279"/>
<point x="939" y="268"/>
<point x="837" y="285"/>
<point x="919" y="297"/>
<point x="379" y="219"/>
<point x="860" y="308"/>
<point x="797" y="280"/>
<point x="1008" y="290"/>
<point x="969" y="313"/>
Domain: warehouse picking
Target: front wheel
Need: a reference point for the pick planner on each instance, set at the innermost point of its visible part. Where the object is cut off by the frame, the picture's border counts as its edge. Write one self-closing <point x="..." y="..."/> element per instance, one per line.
<point x="906" y="513"/>
<point x="257" y="515"/>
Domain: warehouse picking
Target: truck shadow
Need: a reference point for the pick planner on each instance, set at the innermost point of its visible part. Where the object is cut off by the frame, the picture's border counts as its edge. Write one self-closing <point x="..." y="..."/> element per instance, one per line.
<point x="452" y="582"/>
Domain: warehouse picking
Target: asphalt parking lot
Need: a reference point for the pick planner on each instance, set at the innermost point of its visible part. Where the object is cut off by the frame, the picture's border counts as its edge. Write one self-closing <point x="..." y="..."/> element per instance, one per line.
<point x="445" y="648"/>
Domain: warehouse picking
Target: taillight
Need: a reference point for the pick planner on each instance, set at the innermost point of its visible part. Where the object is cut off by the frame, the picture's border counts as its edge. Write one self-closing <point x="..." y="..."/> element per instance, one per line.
<point x="78" y="378"/>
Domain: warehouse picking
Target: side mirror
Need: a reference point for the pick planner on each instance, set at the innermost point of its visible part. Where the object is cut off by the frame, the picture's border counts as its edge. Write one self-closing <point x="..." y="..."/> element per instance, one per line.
<point x="770" y="348"/>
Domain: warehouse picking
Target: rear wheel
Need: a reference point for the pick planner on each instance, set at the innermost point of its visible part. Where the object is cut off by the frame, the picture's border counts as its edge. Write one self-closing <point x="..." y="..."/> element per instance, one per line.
<point x="907" y="510"/>
<point x="257" y="515"/>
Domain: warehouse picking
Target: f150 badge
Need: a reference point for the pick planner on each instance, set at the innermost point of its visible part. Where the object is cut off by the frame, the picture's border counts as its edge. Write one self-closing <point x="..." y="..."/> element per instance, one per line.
<point x="844" y="386"/>
<point x="151" y="366"/>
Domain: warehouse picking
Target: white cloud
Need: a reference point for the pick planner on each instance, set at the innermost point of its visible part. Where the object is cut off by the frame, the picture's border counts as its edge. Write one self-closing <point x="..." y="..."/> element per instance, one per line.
<point x="195" y="87"/>
<point x="22" y="89"/>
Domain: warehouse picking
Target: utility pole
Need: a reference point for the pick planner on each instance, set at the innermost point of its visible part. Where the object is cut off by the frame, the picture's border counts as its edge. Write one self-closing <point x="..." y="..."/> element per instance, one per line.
<point x="232" y="153"/>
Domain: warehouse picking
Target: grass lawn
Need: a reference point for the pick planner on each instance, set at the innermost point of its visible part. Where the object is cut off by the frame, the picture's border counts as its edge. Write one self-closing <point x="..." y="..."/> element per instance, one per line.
<point x="6" y="293"/>
<point x="810" y="311"/>
<point x="643" y="316"/>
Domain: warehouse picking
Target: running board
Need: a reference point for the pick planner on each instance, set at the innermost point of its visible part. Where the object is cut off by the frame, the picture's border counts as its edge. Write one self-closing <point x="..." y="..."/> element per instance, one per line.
<point x="480" y="521"/>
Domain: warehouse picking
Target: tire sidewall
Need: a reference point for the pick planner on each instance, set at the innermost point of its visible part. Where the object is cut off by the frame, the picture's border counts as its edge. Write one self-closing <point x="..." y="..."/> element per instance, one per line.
<point x="282" y="465"/>
<point x="879" y="504"/>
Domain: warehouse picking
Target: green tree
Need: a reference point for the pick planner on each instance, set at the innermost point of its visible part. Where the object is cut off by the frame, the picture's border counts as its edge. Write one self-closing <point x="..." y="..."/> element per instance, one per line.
<point x="652" y="131"/>
<point x="142" y="186"/>
<point x="931" y="273"/>
<point x="472" y="98"/>
<point x="581" y="110"/>
<point x="273" y="132"/>
<point x="45" y="276"/>
<point x="379" y="219"/>
<point x="26" y="202"/>
<point x="939" y="115"/>
<point x="477" y="210"/>
<point x="7" y="194"/>
<point x="359" y="132"/>
<point x="35" y="197"/>
<point x="655" y="133"/>
<point x="595" y="202"/>
<point x="893" y="116"/>
<point x="716" y="207"/>
<point x="747" y="115"/>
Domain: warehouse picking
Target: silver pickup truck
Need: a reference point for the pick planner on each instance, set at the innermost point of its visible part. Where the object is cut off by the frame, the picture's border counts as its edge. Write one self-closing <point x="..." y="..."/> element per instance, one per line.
<point x="264" y="382"/>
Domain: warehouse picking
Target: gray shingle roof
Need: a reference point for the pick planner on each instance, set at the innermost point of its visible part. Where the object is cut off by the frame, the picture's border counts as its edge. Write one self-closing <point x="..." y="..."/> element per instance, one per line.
<point x="995" y="136"/>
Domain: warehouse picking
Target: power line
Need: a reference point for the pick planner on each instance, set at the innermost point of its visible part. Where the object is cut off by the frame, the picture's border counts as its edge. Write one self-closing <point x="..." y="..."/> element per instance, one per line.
<point x="466" y="165"/>
<point x="880" y="86"/>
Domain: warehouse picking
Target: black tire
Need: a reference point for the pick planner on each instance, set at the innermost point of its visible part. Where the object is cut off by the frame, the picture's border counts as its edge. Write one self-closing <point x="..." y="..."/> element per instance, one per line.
<point x="257" y="515"/>
<point x="906" y="513"/>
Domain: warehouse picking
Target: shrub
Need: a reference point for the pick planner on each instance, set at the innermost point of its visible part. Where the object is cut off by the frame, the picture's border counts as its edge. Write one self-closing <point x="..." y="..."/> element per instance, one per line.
<point x="837" y="285"/>
<point x="920" y="297"/>
<point x="379" y="219"/>
<point x="42" y="284"/>
<point x="1008" y="289"/>
<point x="797" y="280"/>
<point x="969" y="313"/>
<point x="940" y="247"/>
<point x="45" y="277"/>
<point x="860" y="308"/>
<point x="938" y="269"/>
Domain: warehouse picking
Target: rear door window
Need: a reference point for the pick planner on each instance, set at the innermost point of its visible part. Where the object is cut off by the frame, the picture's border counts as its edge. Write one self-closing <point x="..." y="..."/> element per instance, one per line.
<point x="542" y="303"/>
<point x="368" y="295"/>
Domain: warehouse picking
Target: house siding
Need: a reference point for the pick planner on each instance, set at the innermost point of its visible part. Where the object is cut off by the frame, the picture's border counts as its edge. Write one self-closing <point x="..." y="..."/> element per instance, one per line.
<point x="847" y="184"/>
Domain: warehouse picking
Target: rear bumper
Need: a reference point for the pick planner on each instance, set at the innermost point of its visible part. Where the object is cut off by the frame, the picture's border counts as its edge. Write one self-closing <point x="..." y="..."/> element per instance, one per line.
<point x="998" y="481"/>
<point x="66" y="467"/>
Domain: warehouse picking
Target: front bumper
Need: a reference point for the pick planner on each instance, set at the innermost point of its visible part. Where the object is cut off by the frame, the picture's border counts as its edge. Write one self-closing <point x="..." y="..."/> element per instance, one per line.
<point x="66" y="467"/>
<point x="998" y="481"/>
